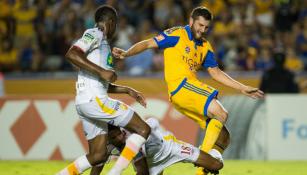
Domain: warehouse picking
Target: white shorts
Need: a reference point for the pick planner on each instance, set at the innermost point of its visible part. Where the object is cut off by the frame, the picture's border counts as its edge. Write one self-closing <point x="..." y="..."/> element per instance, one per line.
<point x="99" y="112"/>
<point x="179" y="152"/>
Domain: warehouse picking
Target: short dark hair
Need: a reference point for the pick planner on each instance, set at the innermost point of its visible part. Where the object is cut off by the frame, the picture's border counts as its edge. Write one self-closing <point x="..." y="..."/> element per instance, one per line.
<point x="201" y="11"/>
<point x="112" y="127"/>
<point x="104" y="13"/>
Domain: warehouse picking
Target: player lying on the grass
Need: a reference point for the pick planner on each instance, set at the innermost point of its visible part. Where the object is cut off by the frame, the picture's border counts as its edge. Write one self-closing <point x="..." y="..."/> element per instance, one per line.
<point x="162" y="149"/>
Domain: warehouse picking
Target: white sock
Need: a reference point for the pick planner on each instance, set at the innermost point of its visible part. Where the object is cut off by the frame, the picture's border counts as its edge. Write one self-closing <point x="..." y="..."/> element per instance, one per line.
<point x="82" y="164"/>
<point x="77" y="167"/>
<point x="133" y="145"/>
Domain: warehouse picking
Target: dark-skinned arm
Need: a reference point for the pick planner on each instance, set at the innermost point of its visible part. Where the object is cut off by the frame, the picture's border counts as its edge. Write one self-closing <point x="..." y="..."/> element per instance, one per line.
<point x="77" y="57"/>
<point x="117" y="89"/>
<point x="138" y="96"/>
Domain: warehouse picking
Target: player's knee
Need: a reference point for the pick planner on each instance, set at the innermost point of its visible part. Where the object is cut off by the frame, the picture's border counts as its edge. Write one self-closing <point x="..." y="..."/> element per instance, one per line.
<point x="222" y="116"/>
<point x="98" y="158"/>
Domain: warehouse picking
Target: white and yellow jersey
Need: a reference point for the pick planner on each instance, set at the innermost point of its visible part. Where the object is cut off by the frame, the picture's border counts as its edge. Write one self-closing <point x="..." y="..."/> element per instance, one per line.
<point x="162" y="149"/>
<point x="97" y="50"/>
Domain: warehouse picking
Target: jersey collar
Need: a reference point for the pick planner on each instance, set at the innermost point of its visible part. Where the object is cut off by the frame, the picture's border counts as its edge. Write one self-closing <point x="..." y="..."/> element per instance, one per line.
<point x="189" y="31"/>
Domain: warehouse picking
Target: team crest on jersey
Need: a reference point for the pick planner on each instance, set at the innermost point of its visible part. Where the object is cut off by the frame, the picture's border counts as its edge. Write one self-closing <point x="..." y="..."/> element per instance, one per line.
<point x="187" y="50"/>
<point x="160" y="37"/>
<point x="110" y="60"/>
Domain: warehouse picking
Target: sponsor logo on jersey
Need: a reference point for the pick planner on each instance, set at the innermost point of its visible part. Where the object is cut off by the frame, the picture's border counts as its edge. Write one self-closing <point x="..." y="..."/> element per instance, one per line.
<point x="88" y="37"/>
<point x="193" y="65"/>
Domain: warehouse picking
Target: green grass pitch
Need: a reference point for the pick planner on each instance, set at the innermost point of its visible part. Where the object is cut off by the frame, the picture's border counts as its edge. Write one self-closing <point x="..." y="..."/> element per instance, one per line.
<point x="232" y="167"/>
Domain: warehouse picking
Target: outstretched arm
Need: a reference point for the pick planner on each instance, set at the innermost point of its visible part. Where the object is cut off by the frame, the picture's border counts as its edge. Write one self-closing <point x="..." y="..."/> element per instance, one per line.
<point x="220" y="76"/>
<point x="117" y="89"/>
<point x="77" y="57"/>
<point x="135" y="49"/>
<point x="138" y="96"/>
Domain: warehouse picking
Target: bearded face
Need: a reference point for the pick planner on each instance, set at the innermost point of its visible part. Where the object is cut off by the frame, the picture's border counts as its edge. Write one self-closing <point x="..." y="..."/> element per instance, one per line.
<point x="199" y="27"/>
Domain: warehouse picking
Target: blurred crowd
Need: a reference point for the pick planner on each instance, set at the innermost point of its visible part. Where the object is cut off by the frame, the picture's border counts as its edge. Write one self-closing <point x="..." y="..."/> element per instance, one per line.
<point x="35" y="34"/>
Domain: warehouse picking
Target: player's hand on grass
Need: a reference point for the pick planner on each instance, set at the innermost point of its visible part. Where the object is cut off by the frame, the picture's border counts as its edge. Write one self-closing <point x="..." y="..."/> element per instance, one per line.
<point x="252" y="92"/>
<point x="138" y="96"/>
<point x="119" y="53"/>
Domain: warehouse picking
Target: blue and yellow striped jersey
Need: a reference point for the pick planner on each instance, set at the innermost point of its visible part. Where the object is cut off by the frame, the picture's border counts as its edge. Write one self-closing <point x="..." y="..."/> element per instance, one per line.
<point x="183" y="55"/>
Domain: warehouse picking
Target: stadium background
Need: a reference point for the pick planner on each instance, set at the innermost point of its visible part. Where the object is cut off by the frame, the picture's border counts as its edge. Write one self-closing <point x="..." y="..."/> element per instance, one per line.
<point x="37" y="115"/>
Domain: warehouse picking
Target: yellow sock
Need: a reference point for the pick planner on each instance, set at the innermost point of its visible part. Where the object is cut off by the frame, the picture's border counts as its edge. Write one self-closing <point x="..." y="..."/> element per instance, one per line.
<point x="132" y="147"/>
<point x="72" y="169"/>
<point x="200" y="171"/>
<point x="212" y="133"/>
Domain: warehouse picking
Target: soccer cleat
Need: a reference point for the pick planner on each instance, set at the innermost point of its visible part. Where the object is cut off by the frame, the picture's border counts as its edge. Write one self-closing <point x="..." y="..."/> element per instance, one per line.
<point x="211" y="172"/>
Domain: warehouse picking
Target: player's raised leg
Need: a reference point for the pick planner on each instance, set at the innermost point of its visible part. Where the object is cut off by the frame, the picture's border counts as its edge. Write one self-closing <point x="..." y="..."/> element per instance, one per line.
<point x="220" y="146"/>
<point x="223" y="140"/>
<point x="218" y="116"/>
<point x="133" y="144"/>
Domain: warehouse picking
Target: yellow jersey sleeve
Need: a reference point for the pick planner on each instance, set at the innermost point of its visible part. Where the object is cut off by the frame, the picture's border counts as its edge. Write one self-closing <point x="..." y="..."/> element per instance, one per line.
<point x="168" y="38"/>
<point x="209" y="60"/>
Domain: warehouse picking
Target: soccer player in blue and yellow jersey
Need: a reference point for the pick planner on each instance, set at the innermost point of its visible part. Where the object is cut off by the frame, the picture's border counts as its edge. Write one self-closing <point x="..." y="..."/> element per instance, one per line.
<point x="185" y="52"/>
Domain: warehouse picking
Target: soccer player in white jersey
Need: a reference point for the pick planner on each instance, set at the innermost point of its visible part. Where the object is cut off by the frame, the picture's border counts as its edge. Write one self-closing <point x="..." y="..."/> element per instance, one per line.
<point x="92" y="55"/>
<point x="162" y="149"/>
